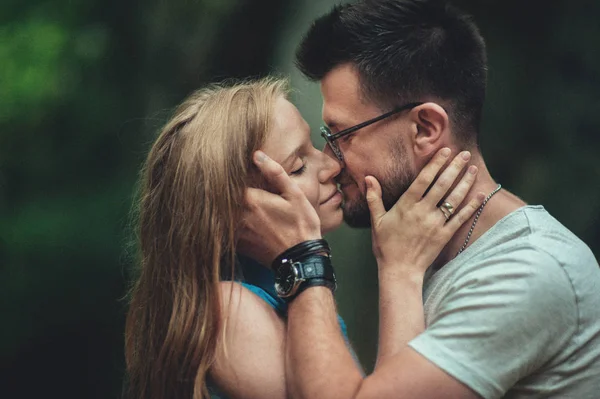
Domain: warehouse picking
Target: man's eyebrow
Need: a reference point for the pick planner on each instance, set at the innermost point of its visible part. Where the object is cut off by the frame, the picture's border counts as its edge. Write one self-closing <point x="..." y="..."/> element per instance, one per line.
<point x="331" y="124"/>
<point x="336" y="122"/>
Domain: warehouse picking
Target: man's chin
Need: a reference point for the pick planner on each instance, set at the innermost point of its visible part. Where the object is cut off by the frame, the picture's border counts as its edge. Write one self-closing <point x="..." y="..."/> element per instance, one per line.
<point x="357" y="215"/>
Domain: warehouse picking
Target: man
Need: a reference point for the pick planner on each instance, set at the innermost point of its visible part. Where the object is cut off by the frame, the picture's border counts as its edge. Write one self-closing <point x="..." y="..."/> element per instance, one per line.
<point x="512" y="302"/>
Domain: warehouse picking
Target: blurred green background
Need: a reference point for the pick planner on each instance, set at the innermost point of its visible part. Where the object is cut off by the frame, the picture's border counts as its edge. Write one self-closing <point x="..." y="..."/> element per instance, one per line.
<point x="86" y="84"/>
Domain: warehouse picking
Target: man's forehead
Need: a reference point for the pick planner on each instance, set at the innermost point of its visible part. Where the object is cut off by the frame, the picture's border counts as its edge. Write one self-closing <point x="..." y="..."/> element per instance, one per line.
<point x="336" y="117"/>
<point x="341" y="85"/>
<point x="343" y="102"/>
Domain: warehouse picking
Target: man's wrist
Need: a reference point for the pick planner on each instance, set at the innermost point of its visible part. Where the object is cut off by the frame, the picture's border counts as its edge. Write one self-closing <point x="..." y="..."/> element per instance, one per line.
<point x="314" y="283"/>
<point x="304" y="265"/>
<point x="315" y="295"/>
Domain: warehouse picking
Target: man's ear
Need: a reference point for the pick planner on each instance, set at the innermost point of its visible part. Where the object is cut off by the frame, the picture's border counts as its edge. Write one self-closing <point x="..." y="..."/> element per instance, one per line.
<point x="431" y="129"/>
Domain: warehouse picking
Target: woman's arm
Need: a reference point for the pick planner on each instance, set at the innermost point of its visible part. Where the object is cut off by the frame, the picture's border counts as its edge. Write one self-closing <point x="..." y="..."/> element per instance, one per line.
<point x="406" y="241"/>
<point x="250" y="363"/>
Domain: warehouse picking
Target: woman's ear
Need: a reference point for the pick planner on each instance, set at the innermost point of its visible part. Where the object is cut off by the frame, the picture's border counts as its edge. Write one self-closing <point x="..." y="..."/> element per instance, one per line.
<point x="431" y="129"/>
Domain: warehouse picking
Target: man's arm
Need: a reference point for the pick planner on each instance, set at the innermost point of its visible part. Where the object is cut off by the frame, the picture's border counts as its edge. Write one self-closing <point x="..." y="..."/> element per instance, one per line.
<point x="320" y="366"/>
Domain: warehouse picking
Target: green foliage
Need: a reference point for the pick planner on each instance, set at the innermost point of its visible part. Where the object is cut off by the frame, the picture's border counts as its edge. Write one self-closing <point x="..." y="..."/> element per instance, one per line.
<point x="30" y="77"/>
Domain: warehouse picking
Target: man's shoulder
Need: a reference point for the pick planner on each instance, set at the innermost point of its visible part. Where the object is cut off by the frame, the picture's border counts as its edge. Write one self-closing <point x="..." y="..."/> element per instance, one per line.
<point x="529" y="279"/>
<point x="530" y="255"/>
<point x="549" y="235"/>
<point x="526" y="269"/>
<point x="532" y="234"/>
<point x="527" y="247"/>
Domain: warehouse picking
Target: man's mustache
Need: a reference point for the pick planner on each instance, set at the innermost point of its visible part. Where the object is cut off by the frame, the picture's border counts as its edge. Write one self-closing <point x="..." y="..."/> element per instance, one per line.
<point x="343" y="179"/>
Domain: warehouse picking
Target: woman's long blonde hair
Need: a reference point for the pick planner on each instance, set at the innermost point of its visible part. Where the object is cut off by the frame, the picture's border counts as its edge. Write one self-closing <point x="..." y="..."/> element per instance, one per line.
<point x="189" y="207"/>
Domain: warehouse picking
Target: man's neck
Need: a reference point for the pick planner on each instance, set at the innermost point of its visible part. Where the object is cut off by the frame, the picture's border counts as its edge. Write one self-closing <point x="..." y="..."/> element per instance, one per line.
<point x="499" y="205"/>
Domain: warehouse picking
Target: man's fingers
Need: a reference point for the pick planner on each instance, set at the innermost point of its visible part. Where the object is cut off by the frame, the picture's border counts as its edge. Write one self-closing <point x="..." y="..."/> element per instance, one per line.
<point x="427" y="175"/>
<point x="258" y="196"/>
<point x="254" y="196"/>
<point x="374" y="199"/>
<point x="275" y="175"/>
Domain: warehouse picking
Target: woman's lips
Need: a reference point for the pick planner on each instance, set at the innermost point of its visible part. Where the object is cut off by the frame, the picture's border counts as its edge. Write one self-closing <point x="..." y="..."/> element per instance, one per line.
<point x="334" y="197"/>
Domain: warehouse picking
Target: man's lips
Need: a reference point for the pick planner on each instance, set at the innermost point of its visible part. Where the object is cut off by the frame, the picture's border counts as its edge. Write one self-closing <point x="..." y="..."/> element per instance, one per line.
<point x="346" y="185"/>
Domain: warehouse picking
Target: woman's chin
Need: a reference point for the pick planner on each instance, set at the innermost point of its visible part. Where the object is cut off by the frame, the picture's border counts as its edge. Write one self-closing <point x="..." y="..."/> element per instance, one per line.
<point x="331" y="221"/>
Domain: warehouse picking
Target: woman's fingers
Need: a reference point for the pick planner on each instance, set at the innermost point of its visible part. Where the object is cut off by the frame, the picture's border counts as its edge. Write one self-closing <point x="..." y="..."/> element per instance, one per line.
<point x="459" y="193"/>
<point x="447" y="178"/>
<point x="453" y="201"/>
<point x="465" y="213"/>
<point x="427" y="175"/>
<point x="374" y="200"/>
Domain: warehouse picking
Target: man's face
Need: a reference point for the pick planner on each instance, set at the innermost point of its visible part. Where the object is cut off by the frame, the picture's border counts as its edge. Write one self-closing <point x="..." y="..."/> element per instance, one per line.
<point x="381" y="150"/>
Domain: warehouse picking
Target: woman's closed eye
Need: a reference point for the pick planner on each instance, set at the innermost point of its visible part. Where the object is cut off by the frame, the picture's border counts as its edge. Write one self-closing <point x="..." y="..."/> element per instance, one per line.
<point x="299" y="171"/>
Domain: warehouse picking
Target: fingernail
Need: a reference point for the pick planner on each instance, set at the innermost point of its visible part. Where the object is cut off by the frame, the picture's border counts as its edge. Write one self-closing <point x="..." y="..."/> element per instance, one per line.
<point x="472" y="169"/>
<point x="368" y="182"/>
<point x="480" y="197"/>
<point x="445" y="152"/>
<point x="466" y="155"/>
<point x="260" y="156"/>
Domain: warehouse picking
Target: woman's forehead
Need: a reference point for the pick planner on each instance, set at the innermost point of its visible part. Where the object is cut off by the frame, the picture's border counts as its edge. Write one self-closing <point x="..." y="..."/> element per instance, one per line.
<point x="289" y="133"/>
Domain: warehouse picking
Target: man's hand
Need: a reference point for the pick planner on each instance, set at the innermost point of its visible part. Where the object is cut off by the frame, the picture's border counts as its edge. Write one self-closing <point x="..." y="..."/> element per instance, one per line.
<point x="276" y="222"/>
<point x="414" y="231"/>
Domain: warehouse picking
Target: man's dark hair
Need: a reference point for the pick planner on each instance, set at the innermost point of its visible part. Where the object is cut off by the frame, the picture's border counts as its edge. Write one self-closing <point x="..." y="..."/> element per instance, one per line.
<point x="404" y="51"/>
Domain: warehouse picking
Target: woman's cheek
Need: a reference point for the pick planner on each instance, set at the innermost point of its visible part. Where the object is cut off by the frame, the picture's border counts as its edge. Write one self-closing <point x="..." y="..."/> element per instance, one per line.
<point x="311" y="191"/>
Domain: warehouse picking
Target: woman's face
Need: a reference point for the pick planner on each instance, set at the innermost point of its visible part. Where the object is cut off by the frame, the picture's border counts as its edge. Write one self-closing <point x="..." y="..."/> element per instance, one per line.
<point x="290" y="145"/>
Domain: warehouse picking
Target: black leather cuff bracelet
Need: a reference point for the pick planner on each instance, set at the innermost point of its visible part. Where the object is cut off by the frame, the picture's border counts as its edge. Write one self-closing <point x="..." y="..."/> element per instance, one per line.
<point x="301" y="251"/>
<point x="293" y="277"/>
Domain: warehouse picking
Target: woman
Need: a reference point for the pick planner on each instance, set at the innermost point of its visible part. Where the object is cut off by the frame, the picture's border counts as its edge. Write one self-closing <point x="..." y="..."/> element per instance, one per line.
<point x="188" y="323"/>
<point x="204" y="320"/>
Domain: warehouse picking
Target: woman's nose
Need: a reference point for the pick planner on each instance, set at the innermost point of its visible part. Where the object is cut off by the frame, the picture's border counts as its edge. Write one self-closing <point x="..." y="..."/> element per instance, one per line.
<point x="331" y="165"/>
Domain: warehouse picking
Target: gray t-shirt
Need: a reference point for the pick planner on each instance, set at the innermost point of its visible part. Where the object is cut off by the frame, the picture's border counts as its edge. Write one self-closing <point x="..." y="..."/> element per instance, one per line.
<point x="517" y="314"/>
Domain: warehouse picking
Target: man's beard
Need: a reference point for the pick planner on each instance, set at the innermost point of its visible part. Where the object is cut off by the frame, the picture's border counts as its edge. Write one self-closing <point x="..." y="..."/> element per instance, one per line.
<point x="394" y="183"/>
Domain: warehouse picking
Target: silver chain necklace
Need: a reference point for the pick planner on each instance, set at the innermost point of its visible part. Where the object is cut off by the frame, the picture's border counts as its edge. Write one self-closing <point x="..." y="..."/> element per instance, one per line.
<point x="485" y="201"/>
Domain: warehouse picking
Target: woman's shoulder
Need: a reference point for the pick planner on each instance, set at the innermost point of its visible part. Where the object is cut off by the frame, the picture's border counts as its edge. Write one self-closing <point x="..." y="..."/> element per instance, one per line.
<point x="248" y="304"/>
<point x="250" y="361"/>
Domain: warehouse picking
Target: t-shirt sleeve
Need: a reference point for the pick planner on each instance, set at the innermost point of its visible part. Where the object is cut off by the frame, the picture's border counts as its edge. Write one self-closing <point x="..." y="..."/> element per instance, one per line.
<point x="503" y="318"/>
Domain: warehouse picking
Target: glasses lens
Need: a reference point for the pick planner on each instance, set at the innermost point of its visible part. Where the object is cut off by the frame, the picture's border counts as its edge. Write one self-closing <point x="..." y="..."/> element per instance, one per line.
<point x="326" y="133"/>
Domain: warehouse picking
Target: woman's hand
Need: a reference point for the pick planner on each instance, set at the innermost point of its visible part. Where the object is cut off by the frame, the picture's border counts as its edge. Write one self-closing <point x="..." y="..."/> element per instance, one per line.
<point x="410" y="236"/>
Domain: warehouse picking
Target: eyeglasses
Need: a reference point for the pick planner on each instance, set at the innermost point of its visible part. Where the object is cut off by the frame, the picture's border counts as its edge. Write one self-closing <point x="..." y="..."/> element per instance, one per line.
<point x="331" y="138"/>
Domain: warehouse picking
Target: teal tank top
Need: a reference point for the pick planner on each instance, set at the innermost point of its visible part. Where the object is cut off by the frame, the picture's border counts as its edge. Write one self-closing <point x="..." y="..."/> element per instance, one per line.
<point x="261" y="281"/>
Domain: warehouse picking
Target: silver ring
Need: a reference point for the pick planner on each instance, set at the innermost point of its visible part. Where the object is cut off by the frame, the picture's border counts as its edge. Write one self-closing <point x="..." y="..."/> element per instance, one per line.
<point x="445" y="211"/>
<point x="448" y="206"/>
